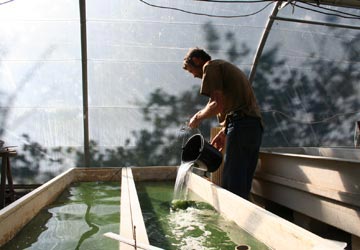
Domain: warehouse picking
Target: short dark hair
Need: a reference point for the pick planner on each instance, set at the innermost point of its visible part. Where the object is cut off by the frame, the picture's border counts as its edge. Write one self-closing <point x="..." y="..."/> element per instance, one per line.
<point x="195" y="52"/>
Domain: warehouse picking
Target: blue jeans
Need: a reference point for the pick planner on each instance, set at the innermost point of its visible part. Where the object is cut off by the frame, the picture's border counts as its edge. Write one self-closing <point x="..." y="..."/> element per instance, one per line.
<point x="243" y="140"/>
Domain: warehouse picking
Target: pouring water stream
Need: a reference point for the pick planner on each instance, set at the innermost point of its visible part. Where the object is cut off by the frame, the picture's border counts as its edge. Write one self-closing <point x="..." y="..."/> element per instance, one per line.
<point x="185" y="168"/>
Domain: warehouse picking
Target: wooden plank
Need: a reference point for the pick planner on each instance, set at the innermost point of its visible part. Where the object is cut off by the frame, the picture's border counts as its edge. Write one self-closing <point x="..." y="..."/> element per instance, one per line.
<point x="336" y="195"/>
<point x="154" y="173"/>
<point x="322" y="152"/>
<point x="346" y="218"/>
<point x="322" y="188"/>
<point x="328" y="174"/>
<point x="132" y="225"/>
<point x="216" y="177"/>
<point x="98" y="174"/>
<point x="355" y="242"/>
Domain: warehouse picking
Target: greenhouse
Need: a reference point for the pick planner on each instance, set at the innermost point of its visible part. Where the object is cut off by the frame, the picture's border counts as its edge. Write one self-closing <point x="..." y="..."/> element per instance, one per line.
<point x="95" y="91"/>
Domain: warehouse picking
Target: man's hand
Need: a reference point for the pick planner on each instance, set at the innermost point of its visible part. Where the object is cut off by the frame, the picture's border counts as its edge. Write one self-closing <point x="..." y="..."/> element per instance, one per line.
<point x="219" y="140"/>
<point x="194" y="121"/>
<point x="212" y="108"/>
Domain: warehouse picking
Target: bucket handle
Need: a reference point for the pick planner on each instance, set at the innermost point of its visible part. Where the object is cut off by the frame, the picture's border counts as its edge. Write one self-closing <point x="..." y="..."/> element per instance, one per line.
<point x="185" y="129"/>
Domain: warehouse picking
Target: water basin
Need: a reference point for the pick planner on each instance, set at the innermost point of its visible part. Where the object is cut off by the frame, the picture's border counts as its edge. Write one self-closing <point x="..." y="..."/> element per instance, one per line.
<point x="76" y="220"/>
<point x="268" y="228"/>
<point x="199" y="226"/>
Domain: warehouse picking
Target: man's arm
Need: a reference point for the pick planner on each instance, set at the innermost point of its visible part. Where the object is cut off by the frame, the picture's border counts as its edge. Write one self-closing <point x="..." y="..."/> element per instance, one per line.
<point x="212" y="108"/>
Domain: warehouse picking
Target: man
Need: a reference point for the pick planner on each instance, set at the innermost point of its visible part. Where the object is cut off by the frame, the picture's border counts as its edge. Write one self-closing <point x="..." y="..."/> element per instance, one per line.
<point x="232" y="100"/>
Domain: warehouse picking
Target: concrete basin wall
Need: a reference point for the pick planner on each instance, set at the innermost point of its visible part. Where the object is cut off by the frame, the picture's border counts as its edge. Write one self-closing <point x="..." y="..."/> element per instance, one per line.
<point x="16" y="215"/>
<point x="272" y="230"/>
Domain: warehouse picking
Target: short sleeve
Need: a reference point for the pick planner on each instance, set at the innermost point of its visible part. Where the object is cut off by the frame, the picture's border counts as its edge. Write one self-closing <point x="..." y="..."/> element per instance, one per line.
<point x="212" y="79"/>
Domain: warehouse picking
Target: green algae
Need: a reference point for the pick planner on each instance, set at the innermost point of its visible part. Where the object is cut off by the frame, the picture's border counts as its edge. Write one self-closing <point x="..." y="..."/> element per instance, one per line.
<point x="180" y="225"/>
<point x="182" y="204"/>
<point x="76" y="220"/>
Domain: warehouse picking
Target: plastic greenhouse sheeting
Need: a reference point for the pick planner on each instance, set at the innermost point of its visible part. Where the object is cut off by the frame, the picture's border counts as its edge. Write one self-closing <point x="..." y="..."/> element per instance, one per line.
<point x="309" y="97"/>
<point x="139" y="95"/>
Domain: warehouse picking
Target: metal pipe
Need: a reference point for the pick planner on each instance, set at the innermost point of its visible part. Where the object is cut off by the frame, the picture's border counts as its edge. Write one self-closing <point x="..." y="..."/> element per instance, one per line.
<point x="130" y="242"/>
<point x="82" y="8"/>
<point x="263" y="40"/>
<point x="315" y="23"/>
<point x="341" y="3"/>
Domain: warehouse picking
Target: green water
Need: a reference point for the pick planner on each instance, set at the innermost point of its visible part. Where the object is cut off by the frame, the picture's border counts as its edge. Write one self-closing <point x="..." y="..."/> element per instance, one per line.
<point x="76" y="220"/>
<point x="198" y="226"/>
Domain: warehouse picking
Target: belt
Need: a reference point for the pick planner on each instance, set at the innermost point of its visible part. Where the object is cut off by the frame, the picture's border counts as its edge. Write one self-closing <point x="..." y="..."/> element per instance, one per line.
<point x="236" y="113"/>
<point x="239" y="115"/>
<point x="230" y="117"/>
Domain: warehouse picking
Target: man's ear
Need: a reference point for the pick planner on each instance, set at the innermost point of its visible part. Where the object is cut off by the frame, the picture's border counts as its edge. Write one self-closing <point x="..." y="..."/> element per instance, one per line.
<point x="197" y="61"/>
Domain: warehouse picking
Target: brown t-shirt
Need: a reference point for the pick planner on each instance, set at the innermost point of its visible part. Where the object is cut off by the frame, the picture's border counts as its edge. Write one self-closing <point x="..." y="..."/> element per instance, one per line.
<point x="233" y="83"/>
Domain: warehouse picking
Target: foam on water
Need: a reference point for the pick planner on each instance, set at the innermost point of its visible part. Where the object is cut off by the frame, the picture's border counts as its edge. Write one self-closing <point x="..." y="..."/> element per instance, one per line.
<point x="184" y="223"/>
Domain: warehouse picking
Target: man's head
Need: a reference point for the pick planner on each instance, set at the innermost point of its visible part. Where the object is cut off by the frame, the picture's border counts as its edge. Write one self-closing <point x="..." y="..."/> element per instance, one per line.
<point x="195" y="60"/>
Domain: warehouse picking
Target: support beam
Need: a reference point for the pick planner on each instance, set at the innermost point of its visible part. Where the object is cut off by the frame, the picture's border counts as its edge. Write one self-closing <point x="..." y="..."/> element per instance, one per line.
<point x="334" y="25"/>
<point x="263" y="41"/>
<point x="84" y="82"/>
<point x="339" y="3"/>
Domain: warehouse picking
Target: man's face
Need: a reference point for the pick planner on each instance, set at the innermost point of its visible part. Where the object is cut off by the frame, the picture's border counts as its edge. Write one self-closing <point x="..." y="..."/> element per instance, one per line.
<point x="195" y="71"/>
